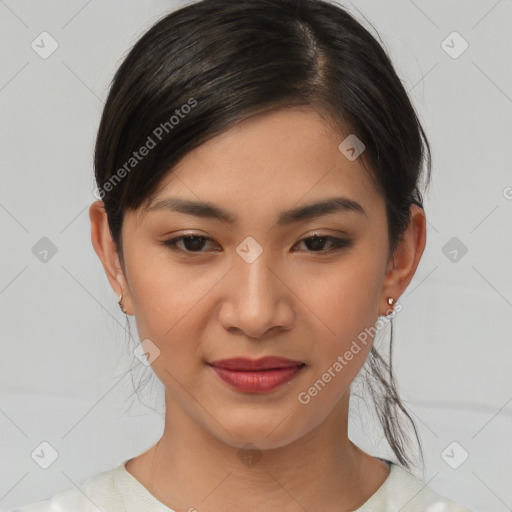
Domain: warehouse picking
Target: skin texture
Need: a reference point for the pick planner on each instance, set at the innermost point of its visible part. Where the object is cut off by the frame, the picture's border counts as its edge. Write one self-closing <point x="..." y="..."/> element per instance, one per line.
<point x="296" y="300"/>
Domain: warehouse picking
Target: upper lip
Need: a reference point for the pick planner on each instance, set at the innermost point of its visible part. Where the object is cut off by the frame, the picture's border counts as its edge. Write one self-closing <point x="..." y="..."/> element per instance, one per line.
<point x="264" y="363"/>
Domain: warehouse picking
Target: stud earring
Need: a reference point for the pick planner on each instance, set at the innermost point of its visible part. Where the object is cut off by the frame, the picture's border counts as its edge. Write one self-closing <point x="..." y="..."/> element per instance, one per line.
<point x="121" y="304"/>
<point x="390" y="301"/>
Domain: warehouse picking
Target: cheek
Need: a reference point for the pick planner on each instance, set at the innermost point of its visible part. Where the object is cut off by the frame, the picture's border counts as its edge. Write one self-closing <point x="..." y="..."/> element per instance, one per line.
<point x="162" y="290"/>
<point x="343" y="308"/>
<point x="344" y="298"/>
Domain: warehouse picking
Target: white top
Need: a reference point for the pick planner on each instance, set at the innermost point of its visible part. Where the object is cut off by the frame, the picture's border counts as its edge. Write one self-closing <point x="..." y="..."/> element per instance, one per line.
<point x="117" y="490"/>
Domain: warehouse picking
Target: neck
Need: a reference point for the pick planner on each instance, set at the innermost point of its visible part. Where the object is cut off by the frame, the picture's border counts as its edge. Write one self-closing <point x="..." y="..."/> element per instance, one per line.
<point x="191" y="469"/>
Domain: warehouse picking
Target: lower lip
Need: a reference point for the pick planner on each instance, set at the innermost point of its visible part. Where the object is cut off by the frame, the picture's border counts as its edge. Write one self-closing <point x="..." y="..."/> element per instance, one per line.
<point x="257" y="381"/>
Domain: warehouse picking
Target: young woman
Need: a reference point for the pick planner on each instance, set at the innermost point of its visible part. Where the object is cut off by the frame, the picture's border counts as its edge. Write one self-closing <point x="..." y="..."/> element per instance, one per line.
<point x="258" y="166"/>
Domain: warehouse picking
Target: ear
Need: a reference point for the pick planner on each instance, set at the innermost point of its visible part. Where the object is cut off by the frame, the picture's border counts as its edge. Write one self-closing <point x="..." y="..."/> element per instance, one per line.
<point x="106" y="250"/>
<point x="402" y="266"/>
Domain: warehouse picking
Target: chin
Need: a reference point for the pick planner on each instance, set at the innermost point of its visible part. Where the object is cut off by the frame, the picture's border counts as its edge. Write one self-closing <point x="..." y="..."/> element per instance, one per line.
<point x="270" y="433"/>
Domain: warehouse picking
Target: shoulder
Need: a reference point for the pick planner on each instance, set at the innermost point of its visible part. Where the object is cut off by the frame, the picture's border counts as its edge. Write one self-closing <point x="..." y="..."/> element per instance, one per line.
<point x="97" y="494"/>
<point x="404" y="492"/>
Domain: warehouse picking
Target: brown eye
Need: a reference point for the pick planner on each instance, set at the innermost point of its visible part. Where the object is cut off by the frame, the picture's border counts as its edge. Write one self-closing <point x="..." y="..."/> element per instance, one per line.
<point x="316" y="243"/>
<point x="191" y="243"/>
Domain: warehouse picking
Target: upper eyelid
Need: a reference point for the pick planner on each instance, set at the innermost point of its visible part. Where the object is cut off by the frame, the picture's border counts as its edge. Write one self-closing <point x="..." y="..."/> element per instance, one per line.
<point x="305" y="237"/>
<point x="315" y="232"/>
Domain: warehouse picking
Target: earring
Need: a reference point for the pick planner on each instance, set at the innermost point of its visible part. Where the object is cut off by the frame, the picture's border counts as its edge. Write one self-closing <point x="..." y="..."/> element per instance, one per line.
<point x="121" y="304"/>
<point x="390" y="301"/>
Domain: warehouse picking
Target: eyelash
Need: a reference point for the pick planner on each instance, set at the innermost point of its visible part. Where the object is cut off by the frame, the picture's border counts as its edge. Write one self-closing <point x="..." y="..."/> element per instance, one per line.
<point x="338" y="243"/>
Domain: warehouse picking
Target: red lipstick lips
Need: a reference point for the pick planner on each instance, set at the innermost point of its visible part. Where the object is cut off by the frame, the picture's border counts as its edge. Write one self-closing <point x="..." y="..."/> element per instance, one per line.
<point x="257" y="375"/>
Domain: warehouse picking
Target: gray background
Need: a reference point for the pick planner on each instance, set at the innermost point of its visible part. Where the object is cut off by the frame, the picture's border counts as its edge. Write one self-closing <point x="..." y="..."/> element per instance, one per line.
<point x="65" y="372"/>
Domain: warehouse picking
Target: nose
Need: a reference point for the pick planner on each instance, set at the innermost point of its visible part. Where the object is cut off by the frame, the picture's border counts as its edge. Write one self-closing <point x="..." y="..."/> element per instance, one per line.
<point x="257" y="299"/>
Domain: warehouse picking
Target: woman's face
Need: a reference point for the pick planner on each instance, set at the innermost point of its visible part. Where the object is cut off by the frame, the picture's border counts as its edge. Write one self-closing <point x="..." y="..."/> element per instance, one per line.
<point x="252" y="285"/>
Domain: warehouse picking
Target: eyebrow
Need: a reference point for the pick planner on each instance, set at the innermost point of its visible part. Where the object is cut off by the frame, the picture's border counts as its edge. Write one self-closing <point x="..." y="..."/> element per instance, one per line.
<point x="301" y="213"/>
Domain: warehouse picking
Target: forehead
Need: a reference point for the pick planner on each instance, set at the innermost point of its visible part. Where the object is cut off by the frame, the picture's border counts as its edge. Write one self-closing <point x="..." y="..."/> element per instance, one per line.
<point x="271" y="162"/>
